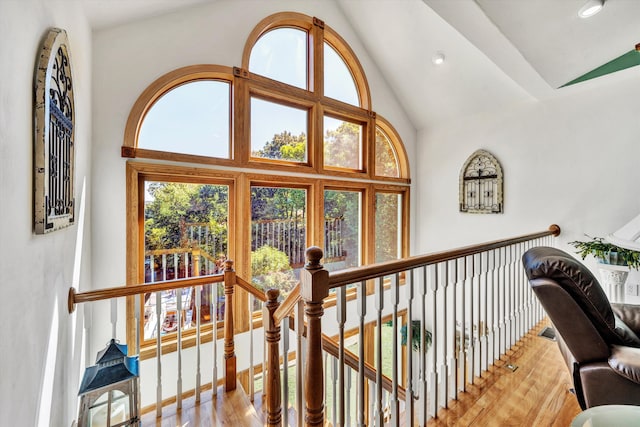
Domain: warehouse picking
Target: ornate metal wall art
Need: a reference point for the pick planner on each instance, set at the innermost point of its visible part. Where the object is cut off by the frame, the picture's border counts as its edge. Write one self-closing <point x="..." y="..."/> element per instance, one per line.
<point x="53" y="136"/>
<point x="481" y="183"/>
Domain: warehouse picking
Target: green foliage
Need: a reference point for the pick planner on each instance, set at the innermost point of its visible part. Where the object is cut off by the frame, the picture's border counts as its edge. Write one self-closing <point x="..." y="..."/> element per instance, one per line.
<point x="266" y="259"/>
<point x="285" y="146"/>
<point x="387" y="226"/>
<point x="342" y="146"/>
<point x="607" y="253"/>
<point x="270" y="269"/>
<point x="386" y="163"/>
<point x="415" y="335"/>
<point x="269" y="203"/>
<point x="172" y="205"/>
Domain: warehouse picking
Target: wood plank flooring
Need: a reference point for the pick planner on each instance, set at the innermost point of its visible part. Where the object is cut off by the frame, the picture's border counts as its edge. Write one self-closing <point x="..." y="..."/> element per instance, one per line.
<point x="227" y="409"/>
<point x="535" y="394"/>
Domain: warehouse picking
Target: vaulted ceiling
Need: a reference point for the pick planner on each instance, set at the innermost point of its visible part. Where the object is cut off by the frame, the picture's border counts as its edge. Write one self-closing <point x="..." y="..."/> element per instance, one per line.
<point x="497" y="52"/>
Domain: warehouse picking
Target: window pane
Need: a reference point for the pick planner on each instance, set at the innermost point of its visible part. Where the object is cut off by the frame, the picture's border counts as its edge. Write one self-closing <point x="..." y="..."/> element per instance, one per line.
<point x="278" y="131"/>
<point x="386" y="159"/>
<point x="338" y="81"/>
<point x="185" y="235"/>
<point x="278" y="236"/>
<point x="342" y="144"/>
<point x="281" y="54"/>
<point x="388" y="229"/>
<point x="190" y="119"/>
<point x="342" y="229"/>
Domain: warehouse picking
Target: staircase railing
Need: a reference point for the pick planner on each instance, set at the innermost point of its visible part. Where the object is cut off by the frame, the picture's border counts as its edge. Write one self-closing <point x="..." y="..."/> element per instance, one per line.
<point x="175" y="344"/>
<point x="474" y="301"/>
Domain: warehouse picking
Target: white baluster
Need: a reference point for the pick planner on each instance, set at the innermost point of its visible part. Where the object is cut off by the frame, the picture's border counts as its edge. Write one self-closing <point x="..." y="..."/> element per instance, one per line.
<point x="471" y="351"/>
<point x="348" y="400"/>
<point x="251" y="349"/>
<point x="341" y="312"/>
<point x="432" y="283"/>
<point x="334" y="389"/>
<point x="394" y="402"/>
<point x="379" y="298"/>
<point x="152" y="266"/>
<point x="159" y="323"/>
<point x="300" y="356"/>
<point x="503" y="302"/>
<point x="442" y="282"/>
<point x="409" y="417"/>
<point x="137" y="303"/>
<point x="462" y="357"/>
<point x="452" y="280"/>
<point x="214" y="338"/>
<point x="284" y="327"/>
<point x="362" y="311"/>
<point x="198" y="303"/>
<point x="164" y="266"/>
<point x="179" y="348"/>
<point x="422" y="403"/>
<point x="483" y="311"/>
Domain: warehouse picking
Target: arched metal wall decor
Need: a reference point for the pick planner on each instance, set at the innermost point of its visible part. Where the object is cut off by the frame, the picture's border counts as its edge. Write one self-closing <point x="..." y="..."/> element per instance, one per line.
<point x="481" y="183"/>
<point x="53" y="136"/>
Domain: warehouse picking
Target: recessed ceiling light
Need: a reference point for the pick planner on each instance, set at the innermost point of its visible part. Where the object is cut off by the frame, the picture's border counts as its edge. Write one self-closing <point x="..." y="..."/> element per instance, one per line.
<point x="437" y="58"/>
<point x="590" y="8"/>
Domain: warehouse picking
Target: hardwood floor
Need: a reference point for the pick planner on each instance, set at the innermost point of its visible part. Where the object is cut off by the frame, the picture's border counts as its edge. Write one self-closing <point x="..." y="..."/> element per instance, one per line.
<point x="227" y="409"/>
<point x="535" y="394"/>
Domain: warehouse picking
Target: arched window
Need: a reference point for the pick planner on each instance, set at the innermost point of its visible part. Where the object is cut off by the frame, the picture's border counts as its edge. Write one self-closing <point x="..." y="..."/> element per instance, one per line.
<point x="192" y="118"/>
<point x="256" y="163"/>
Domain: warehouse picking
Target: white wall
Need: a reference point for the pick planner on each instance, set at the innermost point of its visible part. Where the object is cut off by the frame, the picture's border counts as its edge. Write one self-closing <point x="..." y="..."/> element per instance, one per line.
<point x="572" y="160"/>
<point x="41" y="350"/>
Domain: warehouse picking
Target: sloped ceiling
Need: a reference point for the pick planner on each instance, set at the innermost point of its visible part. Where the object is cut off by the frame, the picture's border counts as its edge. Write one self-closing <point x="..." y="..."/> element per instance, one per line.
<point x="497" y="52"/>
<point x="558" y="44"/>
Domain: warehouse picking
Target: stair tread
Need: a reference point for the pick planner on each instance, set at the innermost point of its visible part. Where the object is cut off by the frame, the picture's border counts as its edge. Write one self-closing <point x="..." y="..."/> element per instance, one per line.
<point x="231" y="408"/>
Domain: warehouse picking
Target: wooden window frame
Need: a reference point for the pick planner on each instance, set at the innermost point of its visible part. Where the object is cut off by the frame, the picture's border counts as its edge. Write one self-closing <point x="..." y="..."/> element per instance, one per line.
<point x="243" y="171"/>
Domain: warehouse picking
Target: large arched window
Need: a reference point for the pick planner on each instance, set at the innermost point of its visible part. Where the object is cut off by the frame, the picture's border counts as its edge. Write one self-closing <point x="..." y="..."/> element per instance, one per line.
<point x="255" y="163"/>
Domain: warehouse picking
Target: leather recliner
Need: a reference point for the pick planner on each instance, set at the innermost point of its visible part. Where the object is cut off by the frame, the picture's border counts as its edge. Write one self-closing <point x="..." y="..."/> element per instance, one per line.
<point x="599" y="341"/>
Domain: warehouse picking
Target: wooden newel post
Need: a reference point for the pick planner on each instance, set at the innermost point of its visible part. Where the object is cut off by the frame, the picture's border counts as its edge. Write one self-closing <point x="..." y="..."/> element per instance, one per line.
<point x="229" y="346"/>
<point x="314" y="289"/>
<point x="272" y="384"/>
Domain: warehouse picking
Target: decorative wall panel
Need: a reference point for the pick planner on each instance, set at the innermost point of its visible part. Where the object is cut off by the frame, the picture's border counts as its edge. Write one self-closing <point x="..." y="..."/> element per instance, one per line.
<point x="53" y="136"/>
<point x="481" y="183"/>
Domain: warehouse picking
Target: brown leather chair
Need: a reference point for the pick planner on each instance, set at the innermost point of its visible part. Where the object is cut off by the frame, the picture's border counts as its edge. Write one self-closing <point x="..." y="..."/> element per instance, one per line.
<point x="598" y="340"/>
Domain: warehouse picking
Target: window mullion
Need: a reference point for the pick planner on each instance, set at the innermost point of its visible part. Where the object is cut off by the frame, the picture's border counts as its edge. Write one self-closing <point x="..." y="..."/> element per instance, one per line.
<point x="316" y="57"/>
<point x="240" y="117"/>
<point x="368" y="146"/>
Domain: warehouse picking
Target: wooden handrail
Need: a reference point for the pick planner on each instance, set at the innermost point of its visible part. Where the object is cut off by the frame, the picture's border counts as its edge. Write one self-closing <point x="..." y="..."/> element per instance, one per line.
<point x="351" y="360"/>
<point x="358" y="274"/>
<point x="126" y="291"/>
<point x="287" y="306"/>
<point x="243" y="284"/>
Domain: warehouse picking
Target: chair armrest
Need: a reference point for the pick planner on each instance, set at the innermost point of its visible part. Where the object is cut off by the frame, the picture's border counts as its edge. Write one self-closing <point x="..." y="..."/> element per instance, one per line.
<point x="629" y="314"/>
<point x="625" y="361"/>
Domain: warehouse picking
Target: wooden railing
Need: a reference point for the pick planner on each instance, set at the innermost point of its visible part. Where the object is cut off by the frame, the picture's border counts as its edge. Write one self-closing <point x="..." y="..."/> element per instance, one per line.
<point x="231" y="284"/>
<point x="474" y="300"/>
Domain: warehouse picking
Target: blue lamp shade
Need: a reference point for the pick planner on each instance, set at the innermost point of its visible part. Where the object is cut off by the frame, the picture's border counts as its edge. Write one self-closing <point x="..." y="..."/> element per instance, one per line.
<point x="112" y="366"/>
<point x="109" y="389"/>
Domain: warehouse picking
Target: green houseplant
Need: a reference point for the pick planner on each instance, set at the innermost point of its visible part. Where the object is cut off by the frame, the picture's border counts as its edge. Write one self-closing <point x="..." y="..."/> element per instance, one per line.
<point x="607" y="253"/>
<point x="415" y="335"/>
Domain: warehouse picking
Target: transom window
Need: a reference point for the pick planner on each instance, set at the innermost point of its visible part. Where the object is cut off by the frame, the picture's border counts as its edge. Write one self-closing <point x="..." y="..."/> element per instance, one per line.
<point x="256" y="163"/>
